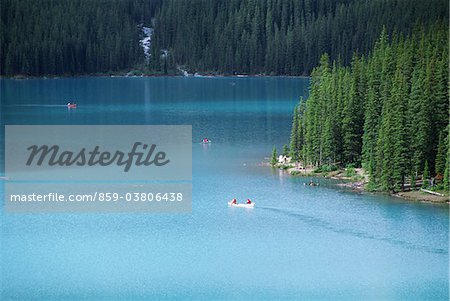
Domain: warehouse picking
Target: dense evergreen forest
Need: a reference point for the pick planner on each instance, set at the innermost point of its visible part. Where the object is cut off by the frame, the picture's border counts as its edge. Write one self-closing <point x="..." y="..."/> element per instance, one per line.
<point x="71" y="36"/>
<point x="387" y="111"/>
<point x="281" y="36"/>
<point x="224" y="36"/>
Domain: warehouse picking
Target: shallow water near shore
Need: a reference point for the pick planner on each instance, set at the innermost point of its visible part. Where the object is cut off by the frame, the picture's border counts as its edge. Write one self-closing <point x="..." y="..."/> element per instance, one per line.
<point x="300" y="242"/>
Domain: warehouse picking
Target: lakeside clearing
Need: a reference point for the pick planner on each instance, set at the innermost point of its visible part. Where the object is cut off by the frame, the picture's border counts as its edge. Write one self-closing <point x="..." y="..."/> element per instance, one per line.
<point x="356" y="179"/>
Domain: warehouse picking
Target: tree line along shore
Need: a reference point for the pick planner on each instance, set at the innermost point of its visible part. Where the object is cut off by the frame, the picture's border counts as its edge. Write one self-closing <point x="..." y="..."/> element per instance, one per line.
<point x="272" y="37"/>
<point x="386" y="113"/>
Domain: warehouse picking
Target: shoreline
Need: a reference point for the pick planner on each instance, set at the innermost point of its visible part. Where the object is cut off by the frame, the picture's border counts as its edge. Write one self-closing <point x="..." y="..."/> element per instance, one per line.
<point x="127" y="75"/>
<point x="357" y="182"/>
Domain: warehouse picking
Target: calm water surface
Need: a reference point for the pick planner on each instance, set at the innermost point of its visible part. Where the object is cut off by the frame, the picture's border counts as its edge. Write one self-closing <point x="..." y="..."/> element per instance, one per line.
<point x="300" y="242"/>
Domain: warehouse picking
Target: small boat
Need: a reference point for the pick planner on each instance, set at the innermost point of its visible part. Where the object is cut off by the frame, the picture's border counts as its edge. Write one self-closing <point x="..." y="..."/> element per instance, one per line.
<point x="206" y="141"/>
<point x="72" y="105"/>
<point x="252" y="205"/>
<point x="312" y="184"/>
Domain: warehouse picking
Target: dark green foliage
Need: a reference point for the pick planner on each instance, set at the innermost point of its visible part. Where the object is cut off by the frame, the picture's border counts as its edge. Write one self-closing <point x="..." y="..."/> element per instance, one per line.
<point x="353" y="113"/>
<point x="297" y="132"/>
<point x="274" y="158"/>
<point x="387" y="112"/>
<point x="325" y="168"/>
<point x="426" y="176"/>
<point x="442" y="152"/>
<point x="446" y="173"/>
<point x="71" y="36"/>
<point x="413" y="180"/>
<point x="281" y="36"/>
<point x="39" y="37"/>
<point x="295" y="137"/>
<point x="285" y="150"/>
<point x="350" y="170"/>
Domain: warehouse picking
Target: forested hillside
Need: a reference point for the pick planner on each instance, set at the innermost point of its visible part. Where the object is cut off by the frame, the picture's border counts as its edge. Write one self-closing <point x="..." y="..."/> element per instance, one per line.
<point x="71" y="36"/>
<point x="388" y="111"/>
<point x="39" y="37"/>
<point x="281" y="36"/>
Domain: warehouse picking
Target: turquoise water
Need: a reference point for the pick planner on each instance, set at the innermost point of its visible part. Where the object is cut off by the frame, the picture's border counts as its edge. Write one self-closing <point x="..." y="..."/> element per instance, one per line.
<point x="300" y="242"/>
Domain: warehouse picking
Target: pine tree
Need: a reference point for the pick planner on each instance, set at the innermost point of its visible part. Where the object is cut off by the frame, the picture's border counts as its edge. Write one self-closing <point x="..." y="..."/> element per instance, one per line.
<point x="372" y="111"/>
<point x="400" y="159"/>
<point x="294" y="143"/>
<point x="285" y="150"/>
<point x="441" y="154"/>
<point x="446" y="173"/>
<point x="274" y="158"/>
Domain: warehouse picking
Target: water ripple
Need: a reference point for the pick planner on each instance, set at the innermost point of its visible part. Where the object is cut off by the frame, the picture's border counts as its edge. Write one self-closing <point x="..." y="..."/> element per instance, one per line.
<point x="317" y="222"/>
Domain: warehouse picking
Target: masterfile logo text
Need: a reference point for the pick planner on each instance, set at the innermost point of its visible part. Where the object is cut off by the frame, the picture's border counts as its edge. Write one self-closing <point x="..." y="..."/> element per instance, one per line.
<point x="107" y="152"/>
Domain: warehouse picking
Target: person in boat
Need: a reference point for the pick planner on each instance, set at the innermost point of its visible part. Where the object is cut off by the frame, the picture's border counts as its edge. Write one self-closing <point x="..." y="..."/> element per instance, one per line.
<point x="234" y="201"/>
<point x="249" y="202"/>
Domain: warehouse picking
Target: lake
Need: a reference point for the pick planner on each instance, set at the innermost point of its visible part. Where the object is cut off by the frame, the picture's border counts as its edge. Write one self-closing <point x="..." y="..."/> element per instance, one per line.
<point x="299" y="242"/>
